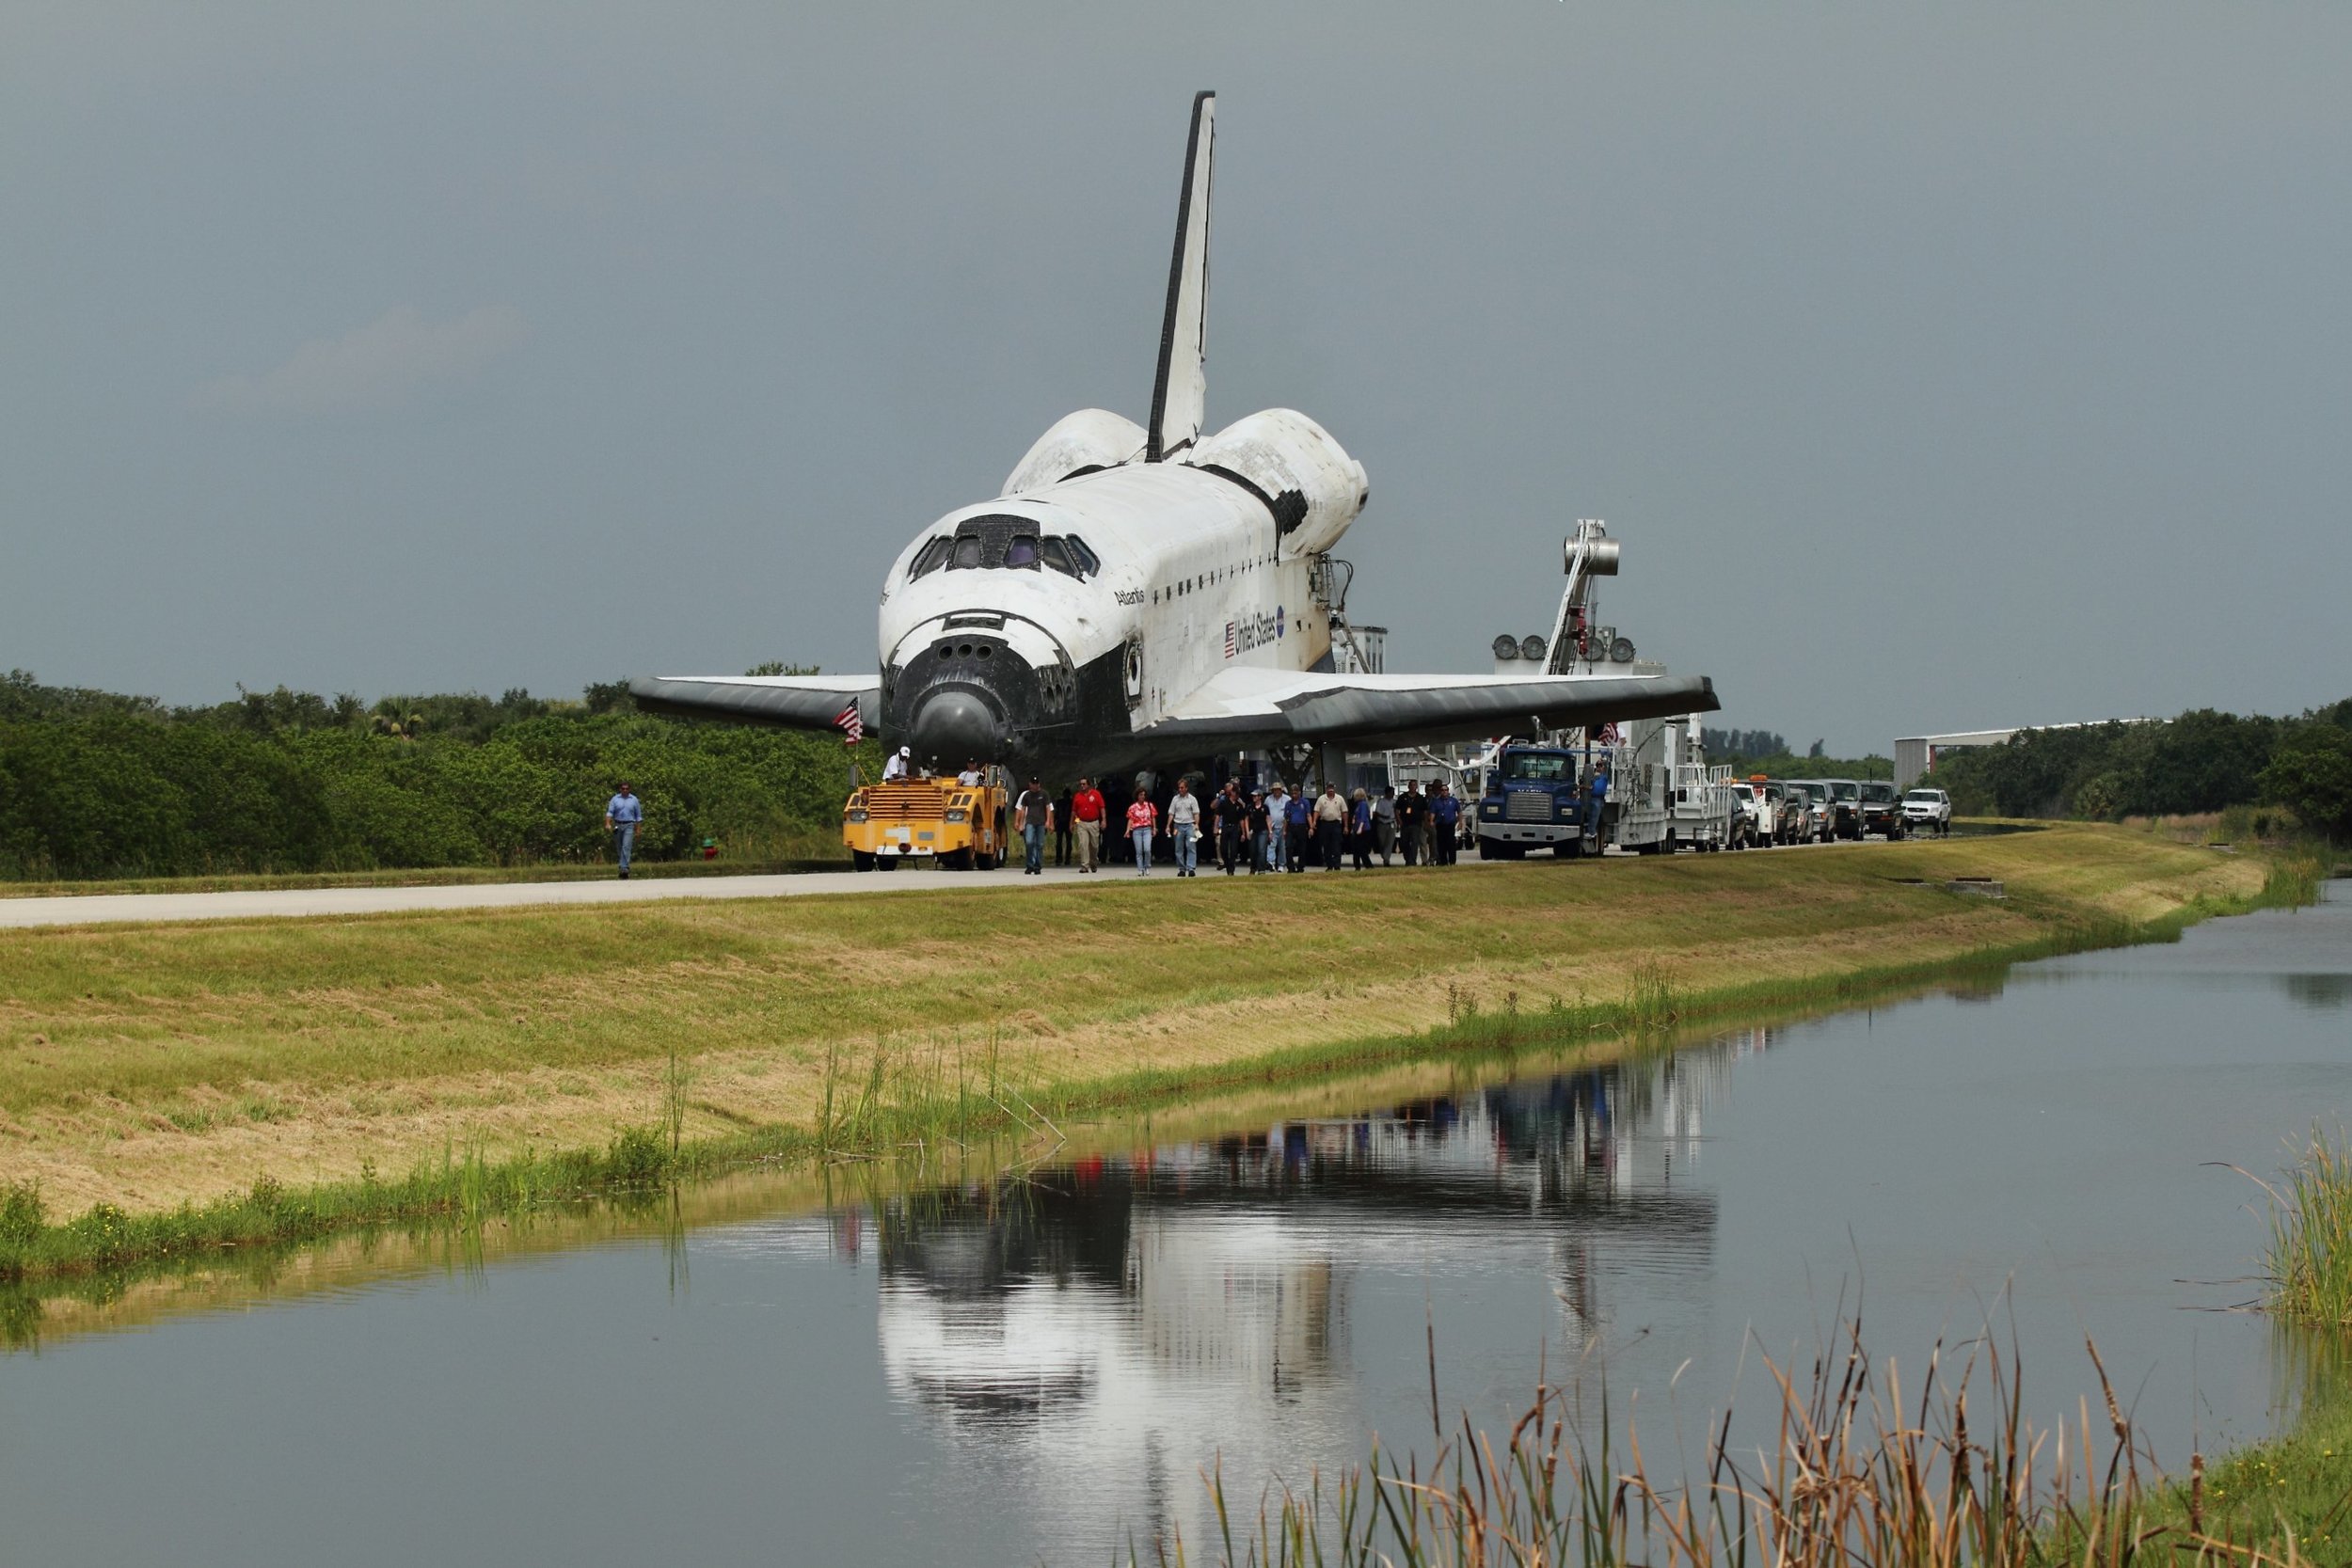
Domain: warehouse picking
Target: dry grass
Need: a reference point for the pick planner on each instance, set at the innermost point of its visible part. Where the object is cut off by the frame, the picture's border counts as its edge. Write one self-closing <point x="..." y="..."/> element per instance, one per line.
<point x="1858" y="1474"/>
<point x="148" y="1066"/>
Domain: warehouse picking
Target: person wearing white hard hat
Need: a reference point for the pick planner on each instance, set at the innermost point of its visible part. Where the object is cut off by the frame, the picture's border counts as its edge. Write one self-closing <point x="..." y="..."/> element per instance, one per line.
<point x="896" y="766"/>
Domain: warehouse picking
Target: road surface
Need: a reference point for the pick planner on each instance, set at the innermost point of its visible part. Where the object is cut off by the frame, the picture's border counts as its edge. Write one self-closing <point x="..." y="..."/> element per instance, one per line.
<point x="96" y="909"/>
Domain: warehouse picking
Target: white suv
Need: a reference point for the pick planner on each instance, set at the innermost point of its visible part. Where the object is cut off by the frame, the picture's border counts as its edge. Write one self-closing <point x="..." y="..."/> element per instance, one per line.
<point x="1927" y="811"/>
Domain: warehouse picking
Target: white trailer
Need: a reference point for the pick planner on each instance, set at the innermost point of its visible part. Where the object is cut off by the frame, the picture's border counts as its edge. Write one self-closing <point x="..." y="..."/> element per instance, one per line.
<point x="1663" y="794"/>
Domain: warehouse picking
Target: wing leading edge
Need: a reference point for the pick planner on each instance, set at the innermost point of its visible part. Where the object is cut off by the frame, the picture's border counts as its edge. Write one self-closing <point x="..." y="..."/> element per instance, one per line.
<point x="1272" y="707"/>
<point x="784" y="701"/>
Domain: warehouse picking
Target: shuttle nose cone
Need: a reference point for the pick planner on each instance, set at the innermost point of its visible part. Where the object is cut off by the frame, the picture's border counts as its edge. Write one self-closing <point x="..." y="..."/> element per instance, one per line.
<point x="954" y="726"/>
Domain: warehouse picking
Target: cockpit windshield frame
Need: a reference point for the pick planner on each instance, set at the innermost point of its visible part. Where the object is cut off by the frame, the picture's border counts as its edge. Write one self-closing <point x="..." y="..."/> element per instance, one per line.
<point x="1001" y="542"/>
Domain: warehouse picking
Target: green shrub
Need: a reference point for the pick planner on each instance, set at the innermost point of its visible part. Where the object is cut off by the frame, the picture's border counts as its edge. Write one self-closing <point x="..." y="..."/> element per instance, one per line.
<point x="288" y="782"/>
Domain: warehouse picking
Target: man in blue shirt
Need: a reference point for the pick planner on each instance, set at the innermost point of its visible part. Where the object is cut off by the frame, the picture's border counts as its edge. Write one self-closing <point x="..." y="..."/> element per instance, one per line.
<point x="1596" y="804"/>
<point x="1446" y="812"/>
<point x="622" y="815"/>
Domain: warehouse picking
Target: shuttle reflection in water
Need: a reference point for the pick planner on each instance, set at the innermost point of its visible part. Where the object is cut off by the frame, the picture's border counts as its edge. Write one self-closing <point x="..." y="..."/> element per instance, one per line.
<point x="1116" y="1325"/>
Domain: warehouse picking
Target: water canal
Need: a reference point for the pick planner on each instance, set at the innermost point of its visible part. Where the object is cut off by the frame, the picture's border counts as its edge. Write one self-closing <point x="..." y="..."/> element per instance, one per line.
<point x="1027" y="1370"/>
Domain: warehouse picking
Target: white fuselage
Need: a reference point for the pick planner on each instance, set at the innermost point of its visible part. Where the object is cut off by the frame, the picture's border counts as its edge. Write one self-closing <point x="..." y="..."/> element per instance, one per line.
<point x="1192" y="579"/>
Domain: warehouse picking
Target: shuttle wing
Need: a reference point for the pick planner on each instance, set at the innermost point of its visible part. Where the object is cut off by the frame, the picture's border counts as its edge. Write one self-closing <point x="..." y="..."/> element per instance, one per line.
<point x="1274" y="707"/>
<point x="786" y="702"/>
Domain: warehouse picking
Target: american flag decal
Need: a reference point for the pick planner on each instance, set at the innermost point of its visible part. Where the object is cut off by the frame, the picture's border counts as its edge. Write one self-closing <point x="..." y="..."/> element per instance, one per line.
<point x="1232" y="642"/>
<point x="852" y="725"/>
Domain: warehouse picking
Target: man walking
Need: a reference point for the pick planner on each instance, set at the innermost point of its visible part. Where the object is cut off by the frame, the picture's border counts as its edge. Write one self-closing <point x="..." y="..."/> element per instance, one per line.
<point x="1031" y="816"/>
<point x="1183" y="826"/>
<point x="1383" y="822"/>
<point x="1330" y="825"/>
<point x="1445" y="817"/>
<point x="1277" y="817"/>
<point x="623" y="815"/>
<point x="1298" y="824"/>
<point x="1233" y="826"/>
<point x="1061" y="826"/>
<point x="1085" y="822"/>
<point x="1410" y="810"/>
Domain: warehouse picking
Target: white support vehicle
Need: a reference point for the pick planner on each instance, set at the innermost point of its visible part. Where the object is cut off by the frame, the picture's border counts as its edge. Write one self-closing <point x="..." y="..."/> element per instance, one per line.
<point x="1703" y="813"/>
<point x="1663" y="795"/>
<point x="1749" y="825"/>
<point x="1927" y="811"/>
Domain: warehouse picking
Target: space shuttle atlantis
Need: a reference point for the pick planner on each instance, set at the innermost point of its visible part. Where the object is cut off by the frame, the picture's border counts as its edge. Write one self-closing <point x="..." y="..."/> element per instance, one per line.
<point x="1148" y="597"/>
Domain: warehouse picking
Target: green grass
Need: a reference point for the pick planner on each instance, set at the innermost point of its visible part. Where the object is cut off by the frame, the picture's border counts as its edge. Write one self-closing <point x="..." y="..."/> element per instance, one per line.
<point x="2297" y="1483"/>
<point x="2310" y="1235"/>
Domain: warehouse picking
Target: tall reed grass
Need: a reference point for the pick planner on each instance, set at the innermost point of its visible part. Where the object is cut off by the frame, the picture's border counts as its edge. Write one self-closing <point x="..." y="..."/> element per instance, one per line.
<point x="2310" y="1234"/>
<point x="1858" y="1474"/>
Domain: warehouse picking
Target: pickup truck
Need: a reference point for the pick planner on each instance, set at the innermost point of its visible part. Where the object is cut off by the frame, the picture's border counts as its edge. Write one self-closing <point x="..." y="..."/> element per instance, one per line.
<point x="1785" y="819"/>
<point x="1747" y="821"/>
<point x="1845" y="808"/>
<point x="1927" y="811"/>
<point x="1819" y="824"/>
<point x="1882" y="812"/>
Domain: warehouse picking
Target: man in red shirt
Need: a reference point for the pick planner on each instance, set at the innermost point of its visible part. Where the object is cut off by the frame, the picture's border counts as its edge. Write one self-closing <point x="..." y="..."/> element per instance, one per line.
<point x="1086" y="816"/>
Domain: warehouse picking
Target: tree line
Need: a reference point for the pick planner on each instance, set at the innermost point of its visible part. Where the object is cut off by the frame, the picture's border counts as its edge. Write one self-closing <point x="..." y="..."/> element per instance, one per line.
<point x="2203" y="761"/>
<point x="102" y="784"/>
<point x="1745" y="743"/>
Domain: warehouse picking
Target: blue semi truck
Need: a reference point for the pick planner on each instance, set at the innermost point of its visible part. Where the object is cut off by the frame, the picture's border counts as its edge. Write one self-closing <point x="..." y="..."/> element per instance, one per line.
<point x="1534" y="800"/>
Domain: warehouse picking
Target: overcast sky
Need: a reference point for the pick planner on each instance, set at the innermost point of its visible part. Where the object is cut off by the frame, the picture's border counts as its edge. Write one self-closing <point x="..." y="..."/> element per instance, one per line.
<point x="1939" y="367"/>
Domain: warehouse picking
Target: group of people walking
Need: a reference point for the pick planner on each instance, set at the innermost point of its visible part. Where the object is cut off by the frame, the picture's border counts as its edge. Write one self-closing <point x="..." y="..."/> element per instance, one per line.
<point x="1260" y="831"/>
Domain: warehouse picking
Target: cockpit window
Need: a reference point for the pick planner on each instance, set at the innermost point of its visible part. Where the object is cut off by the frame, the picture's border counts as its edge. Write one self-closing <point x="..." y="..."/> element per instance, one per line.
<point x="1007" y="542"/>
<point x="930" y="558"/>
<point x="1551" y="769"/>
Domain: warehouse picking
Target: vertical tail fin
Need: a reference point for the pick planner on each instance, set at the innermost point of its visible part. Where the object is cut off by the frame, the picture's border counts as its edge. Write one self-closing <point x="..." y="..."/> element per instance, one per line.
<point x="1180" y="392"/>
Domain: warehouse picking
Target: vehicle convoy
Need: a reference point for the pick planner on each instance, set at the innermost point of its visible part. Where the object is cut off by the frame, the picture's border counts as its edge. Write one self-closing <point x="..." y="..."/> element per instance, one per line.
<point x="1882" y="812"/>
<point x="1927" y="811"/>
<point x="960" y="825"/>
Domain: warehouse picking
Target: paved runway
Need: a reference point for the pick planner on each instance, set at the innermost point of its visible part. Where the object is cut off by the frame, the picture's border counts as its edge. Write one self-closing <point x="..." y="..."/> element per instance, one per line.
<point x="103" y="908"/>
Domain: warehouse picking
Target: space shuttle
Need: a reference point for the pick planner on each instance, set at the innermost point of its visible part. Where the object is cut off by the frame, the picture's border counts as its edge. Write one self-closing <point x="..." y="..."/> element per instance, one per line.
<point x="1148" y="597"/>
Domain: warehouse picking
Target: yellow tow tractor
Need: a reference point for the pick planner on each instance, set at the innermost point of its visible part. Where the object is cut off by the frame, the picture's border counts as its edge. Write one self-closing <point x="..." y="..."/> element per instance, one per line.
<point x="959" y="825"/>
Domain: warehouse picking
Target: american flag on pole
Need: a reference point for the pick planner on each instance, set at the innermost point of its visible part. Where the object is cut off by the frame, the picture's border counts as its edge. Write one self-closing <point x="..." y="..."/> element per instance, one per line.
<point x="1605" y="736"/>
<point x="850" y="723"/>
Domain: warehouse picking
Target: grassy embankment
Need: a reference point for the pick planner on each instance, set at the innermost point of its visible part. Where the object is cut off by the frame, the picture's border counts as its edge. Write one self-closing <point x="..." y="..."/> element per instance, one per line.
<point x="171" y="1090"/>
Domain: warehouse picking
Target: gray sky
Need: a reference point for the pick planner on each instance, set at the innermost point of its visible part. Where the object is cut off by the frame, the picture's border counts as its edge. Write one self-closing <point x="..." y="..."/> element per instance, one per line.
<point x="1940" y="367"/>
